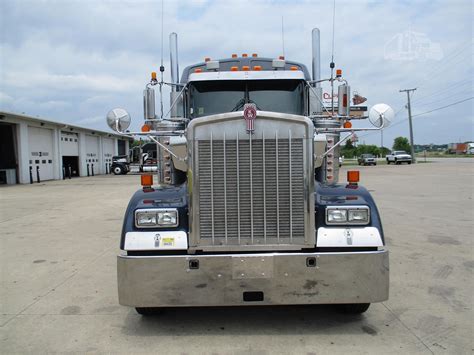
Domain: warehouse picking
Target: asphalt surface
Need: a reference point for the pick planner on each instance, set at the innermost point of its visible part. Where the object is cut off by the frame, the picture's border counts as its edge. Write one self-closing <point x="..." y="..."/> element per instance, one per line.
<point x="58" y="293"/>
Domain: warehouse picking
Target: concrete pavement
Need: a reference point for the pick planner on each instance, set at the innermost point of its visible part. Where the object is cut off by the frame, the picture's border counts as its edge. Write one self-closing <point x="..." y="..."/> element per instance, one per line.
<point x="58" y="279"/>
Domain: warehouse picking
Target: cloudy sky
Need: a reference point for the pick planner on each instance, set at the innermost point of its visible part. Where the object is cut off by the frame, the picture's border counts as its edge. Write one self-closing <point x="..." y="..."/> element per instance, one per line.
<point x="72" y="61"/>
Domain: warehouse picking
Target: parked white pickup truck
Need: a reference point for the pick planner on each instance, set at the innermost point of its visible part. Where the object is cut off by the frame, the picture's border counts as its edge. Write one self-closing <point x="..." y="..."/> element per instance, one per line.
<point x="398" y="157"/>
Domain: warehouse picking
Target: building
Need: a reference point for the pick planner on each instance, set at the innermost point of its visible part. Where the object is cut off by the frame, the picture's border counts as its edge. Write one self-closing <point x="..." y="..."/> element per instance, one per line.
<point x="33" y="149"/>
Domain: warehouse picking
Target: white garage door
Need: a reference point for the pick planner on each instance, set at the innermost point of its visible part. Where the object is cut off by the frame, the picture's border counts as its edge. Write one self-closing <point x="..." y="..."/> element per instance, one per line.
<point x="92" y="154"/>
<point x="69" y="144"/>
<point x="108" y="146"/>
<point x="40" y="142"/>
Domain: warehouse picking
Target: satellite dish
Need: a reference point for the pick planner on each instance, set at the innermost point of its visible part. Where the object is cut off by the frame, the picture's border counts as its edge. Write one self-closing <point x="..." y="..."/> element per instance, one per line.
<point x="118" y="119"/>
<point x="381" y="115"/>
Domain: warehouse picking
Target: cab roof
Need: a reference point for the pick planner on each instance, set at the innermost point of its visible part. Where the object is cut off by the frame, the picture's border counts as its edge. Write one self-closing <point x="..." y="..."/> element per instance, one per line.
<point x="265" y="65"/>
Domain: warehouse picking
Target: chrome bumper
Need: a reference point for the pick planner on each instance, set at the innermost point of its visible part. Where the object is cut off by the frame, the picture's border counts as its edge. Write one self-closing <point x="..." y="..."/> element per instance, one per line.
<point x="253" y="279"/>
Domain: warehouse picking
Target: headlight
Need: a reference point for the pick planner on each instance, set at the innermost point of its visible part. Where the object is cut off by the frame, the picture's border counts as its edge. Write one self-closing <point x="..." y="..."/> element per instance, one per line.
<point x="158" y="218"/>
<point x="347" y="215"/>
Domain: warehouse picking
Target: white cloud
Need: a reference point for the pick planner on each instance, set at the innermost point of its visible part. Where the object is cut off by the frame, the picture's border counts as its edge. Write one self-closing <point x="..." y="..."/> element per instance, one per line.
<point x="74" y="61"/>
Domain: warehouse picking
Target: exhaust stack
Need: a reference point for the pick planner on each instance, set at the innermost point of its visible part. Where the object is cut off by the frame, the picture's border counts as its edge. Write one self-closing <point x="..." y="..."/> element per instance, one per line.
<point x="174" y="59"/>
<point x="316" y="94"/>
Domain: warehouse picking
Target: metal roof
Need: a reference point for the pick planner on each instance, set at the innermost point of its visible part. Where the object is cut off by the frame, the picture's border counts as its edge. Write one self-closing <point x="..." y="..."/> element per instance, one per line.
<point x="61" y="125"/>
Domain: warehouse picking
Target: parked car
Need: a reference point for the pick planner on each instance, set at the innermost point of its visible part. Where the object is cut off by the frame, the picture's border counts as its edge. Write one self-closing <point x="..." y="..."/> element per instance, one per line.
<point x="120" y="165"/>
<point x="398" y="157"/>
<point x="367" y="159"/>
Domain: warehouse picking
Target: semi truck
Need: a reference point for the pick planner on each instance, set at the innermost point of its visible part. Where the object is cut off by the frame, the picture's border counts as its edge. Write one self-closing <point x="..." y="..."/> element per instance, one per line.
<point x="247" y="207"/>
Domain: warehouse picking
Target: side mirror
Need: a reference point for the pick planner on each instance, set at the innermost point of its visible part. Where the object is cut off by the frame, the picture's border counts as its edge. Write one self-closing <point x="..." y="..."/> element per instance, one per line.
<point x="118" y="119"/>
<point x="381" y="115"/>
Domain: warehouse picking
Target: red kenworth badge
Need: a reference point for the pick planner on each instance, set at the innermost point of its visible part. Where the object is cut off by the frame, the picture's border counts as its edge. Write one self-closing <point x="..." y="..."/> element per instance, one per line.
<point x="250" y="113"/>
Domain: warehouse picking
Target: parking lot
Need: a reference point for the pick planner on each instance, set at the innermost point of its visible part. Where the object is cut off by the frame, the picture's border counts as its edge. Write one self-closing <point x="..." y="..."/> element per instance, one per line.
<point x="58" y="293"/>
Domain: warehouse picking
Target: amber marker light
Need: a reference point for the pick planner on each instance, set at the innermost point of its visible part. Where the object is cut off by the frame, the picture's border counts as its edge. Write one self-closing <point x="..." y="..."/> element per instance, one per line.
<point x="347" y="124"/>
<point x="353" y="177"/>
<point x="255" y="55"/>
<point x="293" y="68"/>
<point x="207" y="59"/>
<point x="257" y="67"/>
<point x="282" y="57"/>
<point x="338" y="72"/>
<point x="244" y="55"/>
<point x="234" y="68"/>
<point x="234" y="55"/>
<point x="147" y="180"/>
<point x="153" y="75"/>
<point x="245" y="68"/>
<point x="198" y="70"/>
<point x="145" y="128"/>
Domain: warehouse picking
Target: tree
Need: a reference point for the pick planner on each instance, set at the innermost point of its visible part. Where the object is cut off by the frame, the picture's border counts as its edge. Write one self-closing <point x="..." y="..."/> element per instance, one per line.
<point x="401" y="143"/>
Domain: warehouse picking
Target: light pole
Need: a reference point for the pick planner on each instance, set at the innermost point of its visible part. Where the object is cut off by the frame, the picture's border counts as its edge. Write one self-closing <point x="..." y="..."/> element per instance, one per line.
<point x="412" y="148"/>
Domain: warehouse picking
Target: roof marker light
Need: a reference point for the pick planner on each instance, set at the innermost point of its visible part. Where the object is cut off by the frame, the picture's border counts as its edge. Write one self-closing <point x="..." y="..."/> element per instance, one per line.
<point x="234" y="55"/>
<point x="293" y="67"/>
<point x="244" y="55"/>
<point x="257" y="67"/>
<point x="198" y="70"/>
<point x="234" y="68"/>
<point x="282" y="57"/>
<point x="255" y="55"/>
<point x="207" y="59"/>
<point x="245" y="68"/>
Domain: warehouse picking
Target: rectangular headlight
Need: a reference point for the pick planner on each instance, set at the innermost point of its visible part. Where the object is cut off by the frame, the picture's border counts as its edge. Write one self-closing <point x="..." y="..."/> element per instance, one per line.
<point x="358" y="216"/>
<point x="348" y="215"/>
<point x="336" y="216"/>
<point x="156" y="217"/>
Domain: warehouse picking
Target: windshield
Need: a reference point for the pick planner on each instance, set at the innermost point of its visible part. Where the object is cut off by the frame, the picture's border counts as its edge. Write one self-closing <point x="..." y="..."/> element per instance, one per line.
<point x="213" y="97"/>
<point x="398" y="152"/>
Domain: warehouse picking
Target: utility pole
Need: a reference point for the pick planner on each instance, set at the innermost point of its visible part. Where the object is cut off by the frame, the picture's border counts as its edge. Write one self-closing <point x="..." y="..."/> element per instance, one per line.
<point x="412" y="148"/>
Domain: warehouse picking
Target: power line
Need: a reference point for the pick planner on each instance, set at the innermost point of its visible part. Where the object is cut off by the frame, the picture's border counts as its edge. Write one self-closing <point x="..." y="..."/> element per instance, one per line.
<point x="442" y="107"/>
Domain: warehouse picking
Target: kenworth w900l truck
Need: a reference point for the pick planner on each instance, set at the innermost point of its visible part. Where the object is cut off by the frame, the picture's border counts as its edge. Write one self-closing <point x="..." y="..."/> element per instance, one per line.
<point x="247" y="208"/>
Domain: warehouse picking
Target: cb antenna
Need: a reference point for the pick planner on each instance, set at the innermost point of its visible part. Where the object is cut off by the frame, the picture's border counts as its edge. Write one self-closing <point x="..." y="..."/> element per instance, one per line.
<point x="283" y="35"/>
<point x="331" y="65"/>
<point x="162" y="67"/>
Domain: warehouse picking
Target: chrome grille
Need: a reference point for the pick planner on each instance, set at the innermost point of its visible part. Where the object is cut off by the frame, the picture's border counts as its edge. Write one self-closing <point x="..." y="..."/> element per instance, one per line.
<point x="251" y="190"/>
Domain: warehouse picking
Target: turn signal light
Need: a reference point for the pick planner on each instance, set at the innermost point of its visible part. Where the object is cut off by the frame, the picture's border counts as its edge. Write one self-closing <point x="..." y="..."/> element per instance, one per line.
<point x="147" y="180"/>
<point x="234" y="68"/>
<point x="353" y="176"/>
<point x="348" y="124"/>
<point x="145" y="128"/>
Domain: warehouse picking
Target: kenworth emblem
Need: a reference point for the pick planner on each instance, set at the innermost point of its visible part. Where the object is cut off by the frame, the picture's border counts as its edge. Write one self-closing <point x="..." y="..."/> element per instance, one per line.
<point x="250" y="113"/>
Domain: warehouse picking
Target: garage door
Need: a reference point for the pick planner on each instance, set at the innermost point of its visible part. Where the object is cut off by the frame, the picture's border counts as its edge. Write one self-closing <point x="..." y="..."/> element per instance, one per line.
<point x="40" y="142"/>
<point x="69" y="144"/>
<point x="92" y="154"/>
<point x="108" y="146"/>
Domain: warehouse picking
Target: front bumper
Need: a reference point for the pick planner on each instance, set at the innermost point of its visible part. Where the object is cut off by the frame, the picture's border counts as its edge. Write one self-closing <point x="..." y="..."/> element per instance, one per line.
<point x="258" y="279"/>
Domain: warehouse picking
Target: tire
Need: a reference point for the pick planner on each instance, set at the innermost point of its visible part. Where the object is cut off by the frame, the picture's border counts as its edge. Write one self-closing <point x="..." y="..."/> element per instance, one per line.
<point x="409" y="163"/>
<point x="375" y="164"/>
<point x="118" y="170"/>
<point x="388" y="162"/>
<point x="147" y="311"/>
<point x="353" y="308"/>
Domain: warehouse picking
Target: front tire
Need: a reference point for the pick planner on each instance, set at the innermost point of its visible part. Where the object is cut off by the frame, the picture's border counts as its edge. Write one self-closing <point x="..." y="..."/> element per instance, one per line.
<point x="118" y="170"/>
<point x="147" y="311"/>
<point x="353" y="308"/>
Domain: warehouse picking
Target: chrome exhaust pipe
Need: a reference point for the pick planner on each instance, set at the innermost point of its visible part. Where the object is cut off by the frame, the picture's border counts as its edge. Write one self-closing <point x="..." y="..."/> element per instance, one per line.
<point x="174" y="60"/>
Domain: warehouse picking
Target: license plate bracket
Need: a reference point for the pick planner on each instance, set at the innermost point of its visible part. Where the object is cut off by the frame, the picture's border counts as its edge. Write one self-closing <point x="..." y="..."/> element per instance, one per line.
<point x="252" y="267"/>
